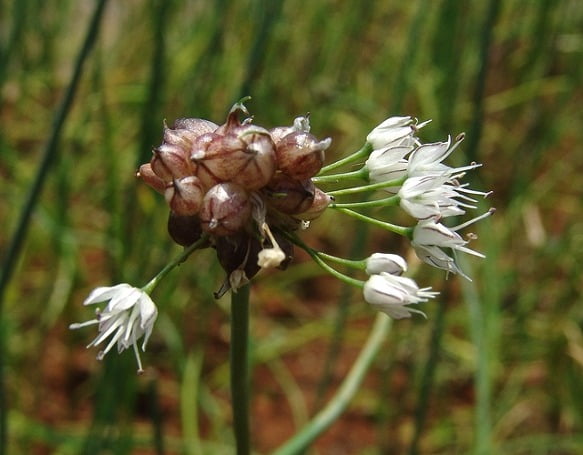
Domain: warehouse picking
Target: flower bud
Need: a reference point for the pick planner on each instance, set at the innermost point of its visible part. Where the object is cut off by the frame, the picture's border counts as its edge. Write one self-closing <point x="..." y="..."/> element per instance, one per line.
<point x="184" y="195"/>
<point x="152" y="180"/>
<point x="225" y="209"/>
<point x="171" y="162"/>
<point x="385" y="263"/>
<point x="300" y="155"/>
<point x="321" y="203"/>
<point x="287" y="195"/>
<point x="245" y="156"/>
<point x="184" y="229"/>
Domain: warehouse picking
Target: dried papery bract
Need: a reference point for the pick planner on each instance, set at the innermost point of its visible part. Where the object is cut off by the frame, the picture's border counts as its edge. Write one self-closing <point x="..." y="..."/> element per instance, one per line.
<point x="300" y="155"/>
<point x="225" y="209"/>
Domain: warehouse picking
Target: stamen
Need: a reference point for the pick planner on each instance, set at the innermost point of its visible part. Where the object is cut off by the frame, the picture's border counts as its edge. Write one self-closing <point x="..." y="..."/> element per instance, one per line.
<point x="473" y="220"/>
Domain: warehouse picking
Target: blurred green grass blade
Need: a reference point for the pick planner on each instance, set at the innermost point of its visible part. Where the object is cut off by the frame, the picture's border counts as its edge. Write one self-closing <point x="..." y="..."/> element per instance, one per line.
<point x="269" y="12"/>
<point x="13" y="39"/>
<point x="49" y="152"/>
<point x="48" y="155"/>
<point x="149" y="136"/>
<point x="114" y="399"/>
<point x="484" y="51"/>
<point x="189" y="402"/>
<point x="156" y="416"/>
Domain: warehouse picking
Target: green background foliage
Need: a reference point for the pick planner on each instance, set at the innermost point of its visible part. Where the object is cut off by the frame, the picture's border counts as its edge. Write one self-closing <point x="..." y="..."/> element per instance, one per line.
<point x="496" y="368"/>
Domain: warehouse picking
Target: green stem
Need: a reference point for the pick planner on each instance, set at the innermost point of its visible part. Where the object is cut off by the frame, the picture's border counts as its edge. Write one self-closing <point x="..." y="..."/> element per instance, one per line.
<point x="347" y="262"/>
<point x="347" y="390"/>
<point x="360" y="174"/>
<point x="148" y="288"/>
<point x="371" y="187"/>
<point x="386" y="202"/>
<point x="401" y="230"/>
<point x="364" y="152"/>
<point x="315" y="255"/>
<point x="239" y="364"/>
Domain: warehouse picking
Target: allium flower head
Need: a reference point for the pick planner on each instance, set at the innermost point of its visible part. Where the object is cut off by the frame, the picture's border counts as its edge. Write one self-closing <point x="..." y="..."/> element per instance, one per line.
<point x="129" y="316"/>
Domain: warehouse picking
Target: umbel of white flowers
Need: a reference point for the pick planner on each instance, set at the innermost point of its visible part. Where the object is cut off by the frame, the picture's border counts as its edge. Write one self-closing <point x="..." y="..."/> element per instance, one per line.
<point x="247" y="191"/>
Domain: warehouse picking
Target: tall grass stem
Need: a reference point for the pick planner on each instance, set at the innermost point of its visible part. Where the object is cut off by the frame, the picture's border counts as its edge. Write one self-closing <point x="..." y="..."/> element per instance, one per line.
<point x="339" y="402"/>
<point x="239" y="368"/>
<point x="31" y="200"/>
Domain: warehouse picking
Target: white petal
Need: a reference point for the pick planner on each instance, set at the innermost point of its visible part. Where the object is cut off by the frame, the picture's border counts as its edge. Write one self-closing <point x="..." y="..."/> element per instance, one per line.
<point x="388" y="263"/>
<point x="124" y="300"/>
<point x="148" y="311"/>
<point x="103" y="293"/>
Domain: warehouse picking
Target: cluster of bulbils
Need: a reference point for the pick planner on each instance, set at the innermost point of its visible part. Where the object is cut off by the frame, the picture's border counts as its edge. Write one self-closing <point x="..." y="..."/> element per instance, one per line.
<point x="244" y="190"/>
<point x="241" y="184"/>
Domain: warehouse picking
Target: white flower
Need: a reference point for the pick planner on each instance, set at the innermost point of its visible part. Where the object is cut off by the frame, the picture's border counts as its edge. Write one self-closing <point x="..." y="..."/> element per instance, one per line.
<point x="394" y="131"/>
<point x="129" y="316"/>
<point x="429" y="237"/>
<point x="393" y="294"/>
<point x="427" y="159"/>
<point x="435" y="196"/>
<point x="270" y="257"/>
<point x="387" y="164"/>
<point x="435" y="256"/>
<point x="387" y="263"/>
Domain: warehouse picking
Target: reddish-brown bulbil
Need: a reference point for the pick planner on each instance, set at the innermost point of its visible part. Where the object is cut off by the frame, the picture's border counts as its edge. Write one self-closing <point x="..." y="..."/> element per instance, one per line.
<point x="225" y="209"/>
<point x="288" y="195"/>
<point x="300" y="155"/>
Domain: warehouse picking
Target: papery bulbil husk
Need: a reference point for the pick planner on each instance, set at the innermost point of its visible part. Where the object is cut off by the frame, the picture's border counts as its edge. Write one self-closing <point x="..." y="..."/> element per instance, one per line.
<point x="184" y="195"/>
<point x="245" y="156"/>
<point x="288" y="195"/>
<point x="147" y="175"/>
<point x="225" y="209"/>
<point x="171" y="162"/>
<point x="300" y="155"/>
<point x="319" y="205"/>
